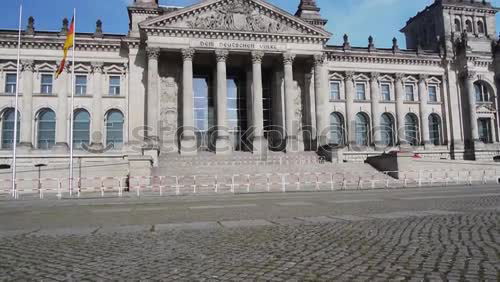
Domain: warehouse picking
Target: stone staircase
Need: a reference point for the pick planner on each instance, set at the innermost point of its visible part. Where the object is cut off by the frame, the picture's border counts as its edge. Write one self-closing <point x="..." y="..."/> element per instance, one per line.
<point x="206" y="163"/>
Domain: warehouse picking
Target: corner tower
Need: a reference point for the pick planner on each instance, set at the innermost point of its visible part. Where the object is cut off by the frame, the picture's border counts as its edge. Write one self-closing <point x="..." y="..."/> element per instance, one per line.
<point x="447" y="20"/>
<point x="310" y="12"/>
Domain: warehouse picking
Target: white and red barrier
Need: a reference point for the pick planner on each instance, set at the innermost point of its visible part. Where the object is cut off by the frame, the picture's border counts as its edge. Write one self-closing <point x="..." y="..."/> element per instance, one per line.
<point x="245" y="183"/>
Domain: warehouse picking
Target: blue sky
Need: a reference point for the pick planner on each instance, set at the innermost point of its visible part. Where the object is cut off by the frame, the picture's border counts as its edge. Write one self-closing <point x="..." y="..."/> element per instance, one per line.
<point x="358" y="18"/>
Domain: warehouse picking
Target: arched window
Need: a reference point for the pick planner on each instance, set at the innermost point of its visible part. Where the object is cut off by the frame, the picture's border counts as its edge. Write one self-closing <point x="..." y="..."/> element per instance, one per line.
<point x="387" y="130"/>
<point x="468" y="26"/>
<point x="8" y="118"/>
<point x="362" y="130"/>
<point x="46" y="135"/>
<point x="336" y="136"/>
<point x="480" y="27"/>
<point x="435" y="129"/>
<point x="482" y="94"/>
<point x="458" y="25"/>
<point x="114" y="128"/>
<point x="411" y="129"/>
<point x="81" y="128"/>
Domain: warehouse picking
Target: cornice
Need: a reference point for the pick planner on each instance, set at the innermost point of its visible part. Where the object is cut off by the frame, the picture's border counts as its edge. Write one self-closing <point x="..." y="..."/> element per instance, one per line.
<point x="241" y="35"/>
<point x="365" y="58"/>
<point x="55" y="42"/>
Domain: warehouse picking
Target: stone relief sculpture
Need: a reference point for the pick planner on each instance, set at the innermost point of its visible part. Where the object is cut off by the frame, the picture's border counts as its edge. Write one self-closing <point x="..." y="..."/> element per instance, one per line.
<point x="298" y="102"/>
<point x="168" y="104"/>
<point x="237" y="16"/>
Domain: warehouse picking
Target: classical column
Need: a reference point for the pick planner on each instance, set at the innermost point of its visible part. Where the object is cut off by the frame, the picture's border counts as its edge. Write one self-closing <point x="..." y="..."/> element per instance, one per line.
<point x="470" y="77"/>
<point x="26" y="135"/>
<point x="97" y="114"/>
<point x="423" y="107"/>
<point x="349" y="108"/>
<point x="259" y="143"/>
<point x="152" y="96"/>
<point x="62" y="117"/>
<point x="400" y="112"/>
<point x="188" y="139"/>
<point x="321" y="100"/>
<point x="222" y="144"/>
<point x="376" y="115"/>
<point x="290" y="122"/>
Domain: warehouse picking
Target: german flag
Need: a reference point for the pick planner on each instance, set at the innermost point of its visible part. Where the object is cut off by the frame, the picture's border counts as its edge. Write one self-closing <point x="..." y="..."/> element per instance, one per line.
<point x="67" y="45"/>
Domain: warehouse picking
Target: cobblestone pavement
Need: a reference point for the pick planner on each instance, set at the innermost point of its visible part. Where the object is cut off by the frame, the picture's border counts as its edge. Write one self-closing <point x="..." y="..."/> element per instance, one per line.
<point x="451" y="243"/>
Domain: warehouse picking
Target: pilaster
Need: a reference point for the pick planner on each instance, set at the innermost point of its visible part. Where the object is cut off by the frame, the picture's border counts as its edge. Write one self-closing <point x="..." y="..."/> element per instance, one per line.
<point x="349" y="108"/>
<point x="26" y="130"/>
<point x="376" y="115"/>
<point x="96" y="135"/>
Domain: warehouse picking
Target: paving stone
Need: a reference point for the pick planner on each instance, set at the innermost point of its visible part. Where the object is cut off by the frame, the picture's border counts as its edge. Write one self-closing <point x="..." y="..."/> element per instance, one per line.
<point x="186" y="226"/>
<point x="245" y="223"/>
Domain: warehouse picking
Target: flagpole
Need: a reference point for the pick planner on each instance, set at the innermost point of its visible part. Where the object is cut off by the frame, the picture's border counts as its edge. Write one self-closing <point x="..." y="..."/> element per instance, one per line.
<point x="16" y="116"/>
<point x="72" y="109"/>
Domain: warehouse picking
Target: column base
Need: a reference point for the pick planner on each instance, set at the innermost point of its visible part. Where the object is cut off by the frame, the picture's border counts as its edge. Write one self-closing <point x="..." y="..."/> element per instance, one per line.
<point x="294" y="145"/>
<point x="188" y="146"/>
<point x="154" y="154"/>
<point x="223" y="146"/>
<point x="259" y="145"/>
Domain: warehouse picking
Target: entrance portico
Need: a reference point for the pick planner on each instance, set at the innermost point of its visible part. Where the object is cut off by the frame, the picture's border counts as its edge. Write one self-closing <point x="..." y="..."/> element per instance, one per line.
<point x="239" y="80"/>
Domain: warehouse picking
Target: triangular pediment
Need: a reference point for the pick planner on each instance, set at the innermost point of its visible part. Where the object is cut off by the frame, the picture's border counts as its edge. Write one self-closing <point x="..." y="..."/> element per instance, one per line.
<point x="235" y="16"/>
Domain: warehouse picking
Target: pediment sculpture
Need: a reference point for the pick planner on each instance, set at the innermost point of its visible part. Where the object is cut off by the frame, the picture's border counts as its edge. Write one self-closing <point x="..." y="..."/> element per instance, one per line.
<point x="237" y="16"/>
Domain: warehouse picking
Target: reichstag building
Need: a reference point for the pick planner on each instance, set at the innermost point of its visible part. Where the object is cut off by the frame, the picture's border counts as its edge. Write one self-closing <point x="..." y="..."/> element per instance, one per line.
<point x="225" y="77"/>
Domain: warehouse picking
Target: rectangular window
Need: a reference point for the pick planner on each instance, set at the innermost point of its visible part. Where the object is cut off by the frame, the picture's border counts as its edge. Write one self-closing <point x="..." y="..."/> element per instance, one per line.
<point x="433" y="93"/>
<point x="10" y="83"/>
<point x="409" y="93"/>
<point x="114" y="85"/>
<point x="386" y="92"/>
<point x="335" y="90"/>
<point x="81" y="85"/>
<point x="360" y="91"/>
<point x="46" y="84"/>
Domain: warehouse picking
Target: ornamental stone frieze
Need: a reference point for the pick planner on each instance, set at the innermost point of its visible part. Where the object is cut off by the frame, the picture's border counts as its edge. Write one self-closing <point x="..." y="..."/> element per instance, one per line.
<point x="238" y="20"/>
<point x="237" y="16"/>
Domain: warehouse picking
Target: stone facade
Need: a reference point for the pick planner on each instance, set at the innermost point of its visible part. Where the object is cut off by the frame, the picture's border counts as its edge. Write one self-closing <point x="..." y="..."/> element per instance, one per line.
<point x="243" y="75"/>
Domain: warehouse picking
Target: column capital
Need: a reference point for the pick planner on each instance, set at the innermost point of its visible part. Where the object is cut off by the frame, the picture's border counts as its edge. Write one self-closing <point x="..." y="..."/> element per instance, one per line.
<point x="349" y="75"/>
<point x="399" y="76"/>
<point x="374" y="76"/>
<point x="319" y="59"/>
<point x="221" y="55"/>
<point x="153" y="53"/>
<point x="423" y="77"/>
<point x="288" y="58"/>
<point x="470" y="75"/>
<point x="28" y="65"/>
<point x="97" y="67"/>
<point x="257" y="57"/>
<point x="188" y="54"/>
